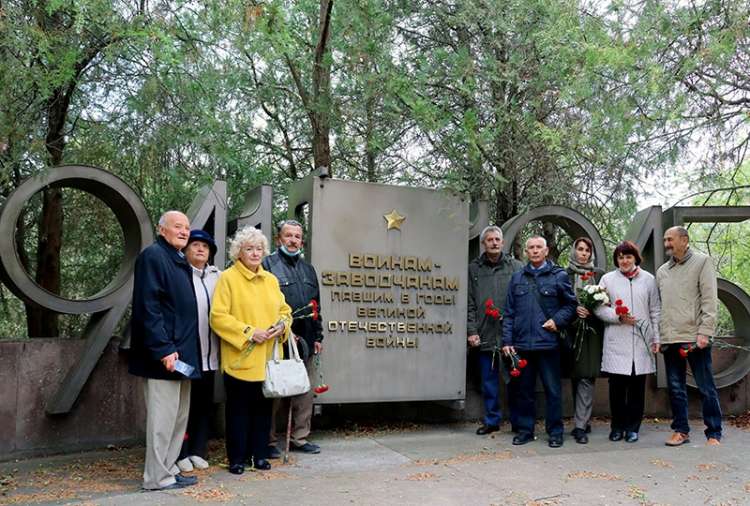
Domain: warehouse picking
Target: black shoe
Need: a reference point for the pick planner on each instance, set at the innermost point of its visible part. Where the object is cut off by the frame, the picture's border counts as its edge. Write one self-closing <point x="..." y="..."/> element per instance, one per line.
<point x="273" y="452"/>
<point x="173" y="486"/>
<point x="186" y="480"/>
<point x="615" y="435"/>
<point x="487" y="429"/>
<point x="588" y="428"/>
<point x="305" y="448"/>
<point x="580" y="436"/>
<point x="261" y="465"/>
<point x="237" y="469"/>
<point x="523" y="438"/>
<point x="631" y="437"/>
<point x="555" y="442"/>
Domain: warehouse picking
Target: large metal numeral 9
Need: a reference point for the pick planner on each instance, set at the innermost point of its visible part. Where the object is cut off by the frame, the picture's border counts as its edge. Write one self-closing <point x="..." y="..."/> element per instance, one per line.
<point x="111" y="302"/>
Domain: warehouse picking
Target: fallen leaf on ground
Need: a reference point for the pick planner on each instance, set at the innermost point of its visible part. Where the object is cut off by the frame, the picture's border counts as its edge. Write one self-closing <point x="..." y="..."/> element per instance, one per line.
<point x="590" y="475"/>
<point x="209" y="494"/>
<point x="421" y="477"/>
<point x="661" y="463"/>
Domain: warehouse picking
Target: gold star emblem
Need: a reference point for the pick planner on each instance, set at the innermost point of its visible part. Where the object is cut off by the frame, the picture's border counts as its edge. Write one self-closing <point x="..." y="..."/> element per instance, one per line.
<point x="394" y="220"/>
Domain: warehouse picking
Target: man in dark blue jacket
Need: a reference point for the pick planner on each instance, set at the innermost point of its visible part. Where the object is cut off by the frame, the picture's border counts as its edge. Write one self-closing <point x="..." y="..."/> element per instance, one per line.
<point x="540" y="303"/>
<point x="299" y="284"/>
<point x="164" y="348"/>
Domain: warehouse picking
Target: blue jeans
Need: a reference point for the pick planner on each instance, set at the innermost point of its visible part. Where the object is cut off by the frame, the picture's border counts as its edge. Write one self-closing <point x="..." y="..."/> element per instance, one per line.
<point x="490" y="387"/>
<point x="700" y="364"/>
<point x="545" y="363"/>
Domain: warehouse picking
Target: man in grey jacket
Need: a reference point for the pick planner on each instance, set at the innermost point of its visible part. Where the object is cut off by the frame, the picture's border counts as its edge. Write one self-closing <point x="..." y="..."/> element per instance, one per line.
<point x="687" y="285"/>
<point x="489" y="275"/>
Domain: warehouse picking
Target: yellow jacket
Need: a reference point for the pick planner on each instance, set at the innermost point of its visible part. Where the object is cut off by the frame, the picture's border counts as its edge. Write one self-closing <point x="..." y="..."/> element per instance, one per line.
<point x="247" y="300"/>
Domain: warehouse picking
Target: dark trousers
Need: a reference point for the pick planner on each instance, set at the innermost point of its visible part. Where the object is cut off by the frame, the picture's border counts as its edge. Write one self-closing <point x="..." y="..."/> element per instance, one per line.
<point x="201" y="412"/>
<point x="511" y="392"/>
<point x="700" y="364"/>
<point x="248" y="416"/>
<point x="490" y="387"/>
<point x="546" y="364"/>
<point x="627" y="395"/>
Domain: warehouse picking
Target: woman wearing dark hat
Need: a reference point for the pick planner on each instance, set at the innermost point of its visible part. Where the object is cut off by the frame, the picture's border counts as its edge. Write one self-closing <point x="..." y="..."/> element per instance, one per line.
<point x="200" y="248"/>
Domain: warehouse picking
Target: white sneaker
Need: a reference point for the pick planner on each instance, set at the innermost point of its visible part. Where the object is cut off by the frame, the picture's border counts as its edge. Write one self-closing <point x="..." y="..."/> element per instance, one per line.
<point x="185" y="465"/>
<point x="198" y="462"/>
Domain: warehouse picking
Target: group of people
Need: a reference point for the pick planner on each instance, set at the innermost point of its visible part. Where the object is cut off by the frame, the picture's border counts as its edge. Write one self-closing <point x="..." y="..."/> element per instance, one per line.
<point x="188" y="317"/>
<point x="544" y="326"/>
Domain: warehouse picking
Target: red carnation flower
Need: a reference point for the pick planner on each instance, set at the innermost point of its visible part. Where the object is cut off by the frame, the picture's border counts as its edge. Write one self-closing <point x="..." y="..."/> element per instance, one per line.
<point x="619" y="302"/>
<point x="522" y="363"/>
<point x="314" y="305"/>
<point x="321" y="389"/>
<point x="515" y="372"/>
<point x="621" y="310"/>
<point x="315" y="314"/>
<point x="489" y="303"/>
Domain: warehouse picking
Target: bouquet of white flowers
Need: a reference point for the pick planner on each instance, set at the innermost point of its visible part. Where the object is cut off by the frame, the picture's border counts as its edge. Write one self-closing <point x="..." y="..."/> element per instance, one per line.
<point x="589" y="296"/>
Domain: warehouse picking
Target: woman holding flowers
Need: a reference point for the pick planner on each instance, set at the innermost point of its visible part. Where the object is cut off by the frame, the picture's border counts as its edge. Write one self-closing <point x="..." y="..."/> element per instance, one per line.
<point x="631" y="337"/>
<point x="248" y="313"/>
<point x="585" y="359"/>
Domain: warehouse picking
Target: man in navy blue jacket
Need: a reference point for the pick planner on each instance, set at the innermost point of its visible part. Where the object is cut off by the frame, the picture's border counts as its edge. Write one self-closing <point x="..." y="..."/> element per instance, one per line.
<point x="540" y="303"/>
<point x="164" y="338"/>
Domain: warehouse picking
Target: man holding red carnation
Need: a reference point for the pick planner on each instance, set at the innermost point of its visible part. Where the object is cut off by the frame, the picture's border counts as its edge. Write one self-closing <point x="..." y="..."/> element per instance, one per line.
<point x="687" y="285"/>
<point x="299" y="284"/>
<point x="489" y="275"/>
<point x="540" y="303"/>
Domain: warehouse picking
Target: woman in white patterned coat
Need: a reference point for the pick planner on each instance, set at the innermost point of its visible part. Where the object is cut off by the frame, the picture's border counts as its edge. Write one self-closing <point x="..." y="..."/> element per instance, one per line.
<point x="631" y="338"/>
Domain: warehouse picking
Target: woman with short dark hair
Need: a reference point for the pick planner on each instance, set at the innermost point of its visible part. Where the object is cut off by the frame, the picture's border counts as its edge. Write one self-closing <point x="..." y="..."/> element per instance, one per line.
<point x="631" y="337"/>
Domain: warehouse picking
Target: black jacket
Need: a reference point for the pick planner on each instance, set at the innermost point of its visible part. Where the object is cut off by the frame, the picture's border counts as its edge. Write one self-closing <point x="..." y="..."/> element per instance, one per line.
<point x="165" y="313"/>
<point x="299" y="284"/>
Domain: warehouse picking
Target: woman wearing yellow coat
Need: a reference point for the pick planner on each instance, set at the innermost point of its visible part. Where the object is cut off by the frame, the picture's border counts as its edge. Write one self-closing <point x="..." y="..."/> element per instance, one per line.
<point x="248" y="313"/>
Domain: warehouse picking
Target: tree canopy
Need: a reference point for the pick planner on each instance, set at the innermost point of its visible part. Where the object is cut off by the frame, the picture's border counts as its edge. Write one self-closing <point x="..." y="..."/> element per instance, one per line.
<point x="521" y="103"/>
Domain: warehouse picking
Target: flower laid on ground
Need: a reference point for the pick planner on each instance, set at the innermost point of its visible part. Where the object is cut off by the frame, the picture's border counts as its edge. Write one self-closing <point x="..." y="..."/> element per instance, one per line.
<point x="492" y="311"/>
<point x="321" y="387"/>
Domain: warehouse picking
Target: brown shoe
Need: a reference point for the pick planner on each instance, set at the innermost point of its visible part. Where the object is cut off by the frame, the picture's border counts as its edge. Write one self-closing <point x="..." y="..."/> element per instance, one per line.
<point x="712" y="441"/>
<point x="677" y="439"/>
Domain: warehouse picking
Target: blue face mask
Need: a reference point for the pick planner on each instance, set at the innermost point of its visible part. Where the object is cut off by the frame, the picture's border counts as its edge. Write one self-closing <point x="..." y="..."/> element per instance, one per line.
<point x="289" y="253"/>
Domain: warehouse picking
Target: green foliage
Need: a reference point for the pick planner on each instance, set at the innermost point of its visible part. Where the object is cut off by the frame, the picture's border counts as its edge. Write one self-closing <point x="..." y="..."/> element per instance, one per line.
<point x="519" y="102"/>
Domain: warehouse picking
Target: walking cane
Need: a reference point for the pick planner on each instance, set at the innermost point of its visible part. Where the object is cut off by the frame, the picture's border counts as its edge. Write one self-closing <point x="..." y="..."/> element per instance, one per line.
<point x="288" y="432"/>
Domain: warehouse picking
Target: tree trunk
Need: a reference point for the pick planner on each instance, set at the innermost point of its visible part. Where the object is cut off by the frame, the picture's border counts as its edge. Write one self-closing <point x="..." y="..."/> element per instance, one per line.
<point x="321" y="92"/>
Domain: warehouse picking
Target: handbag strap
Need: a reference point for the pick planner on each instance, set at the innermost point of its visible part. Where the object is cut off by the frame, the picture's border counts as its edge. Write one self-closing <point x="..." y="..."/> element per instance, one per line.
<point x="293" y="351"/>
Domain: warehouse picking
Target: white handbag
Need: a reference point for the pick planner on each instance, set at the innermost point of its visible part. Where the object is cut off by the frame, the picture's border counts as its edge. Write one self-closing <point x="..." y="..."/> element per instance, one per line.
<point x="285" y="378"/>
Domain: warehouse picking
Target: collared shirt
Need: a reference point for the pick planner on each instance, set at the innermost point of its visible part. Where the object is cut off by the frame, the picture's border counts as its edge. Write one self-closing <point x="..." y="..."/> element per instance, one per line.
<point x="673" y="261"/>
<point x="538" y="268"/>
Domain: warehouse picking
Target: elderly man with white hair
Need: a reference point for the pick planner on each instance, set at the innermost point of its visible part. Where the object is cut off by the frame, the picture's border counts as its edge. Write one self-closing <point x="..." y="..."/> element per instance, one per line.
<point x="539" y="305"/>
<point x="164" y="348"/>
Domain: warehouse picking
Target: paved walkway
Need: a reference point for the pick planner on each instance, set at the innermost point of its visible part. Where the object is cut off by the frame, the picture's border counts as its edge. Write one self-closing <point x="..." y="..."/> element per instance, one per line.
<point x="420" y="465"/>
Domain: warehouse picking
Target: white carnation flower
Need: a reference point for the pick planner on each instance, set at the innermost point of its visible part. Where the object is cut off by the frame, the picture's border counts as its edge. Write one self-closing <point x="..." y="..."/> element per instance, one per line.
<point x="599" y="296"/>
